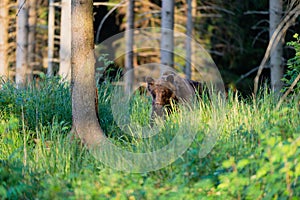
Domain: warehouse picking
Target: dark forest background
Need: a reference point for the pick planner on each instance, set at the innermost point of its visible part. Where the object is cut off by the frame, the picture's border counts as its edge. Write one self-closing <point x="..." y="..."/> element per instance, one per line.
<point x="236" y="33"/>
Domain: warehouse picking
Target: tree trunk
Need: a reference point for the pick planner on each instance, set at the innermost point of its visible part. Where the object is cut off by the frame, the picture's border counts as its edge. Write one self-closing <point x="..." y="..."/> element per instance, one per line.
<point x="4" y="38"/>
<point x="276" y="51"/>
<point x="85" y="122"/>
<point x="194" y="44"/>
<point x="65" y="40"/>
<point x="129" y="77"/>
<point x="189" y="29"/>
<point x="51" y="29"/>
<point x="167" y="37"/>
<point x="32" y="20"/>
<point x="22" y="36"/>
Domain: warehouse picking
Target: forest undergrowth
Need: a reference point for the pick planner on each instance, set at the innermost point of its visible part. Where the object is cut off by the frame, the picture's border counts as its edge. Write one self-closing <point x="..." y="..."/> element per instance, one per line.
<point x="255" y="155"/>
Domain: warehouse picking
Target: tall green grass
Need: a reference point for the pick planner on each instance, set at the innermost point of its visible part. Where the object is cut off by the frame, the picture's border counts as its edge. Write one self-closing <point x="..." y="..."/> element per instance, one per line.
<point x="256" y="155"/>
<point x="39" y="102"/>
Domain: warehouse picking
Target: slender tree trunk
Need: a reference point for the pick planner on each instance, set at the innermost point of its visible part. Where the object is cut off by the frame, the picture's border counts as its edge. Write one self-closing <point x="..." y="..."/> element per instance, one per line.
<point x="51" y="29"/>
<point x="276" y="51"/>
<point x="22" y="36"/>
<point x="129" y="77"/>
<point x="194" y="44"/>
<point x="65" y="40"/>
<point x="32" y="20"/>
<point x="4" y="38"/>
<point x="167" y="37"/>
<point x="189" y="29"/>
<point x="85" y="122"/>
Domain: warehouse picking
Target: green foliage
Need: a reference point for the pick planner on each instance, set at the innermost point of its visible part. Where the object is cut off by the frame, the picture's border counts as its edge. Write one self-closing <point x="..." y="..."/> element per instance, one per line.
<point x="256" y="155"/>
<point x="293" y="65"/>
<point x="103" y="69"/>
<point x="42" y="101"/>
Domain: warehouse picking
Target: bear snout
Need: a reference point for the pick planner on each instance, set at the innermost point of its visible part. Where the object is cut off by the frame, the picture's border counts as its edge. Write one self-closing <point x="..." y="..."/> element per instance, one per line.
<point x="159" y="104"/>
<point x="157" y="110"/>
<point x="159" y="100"/>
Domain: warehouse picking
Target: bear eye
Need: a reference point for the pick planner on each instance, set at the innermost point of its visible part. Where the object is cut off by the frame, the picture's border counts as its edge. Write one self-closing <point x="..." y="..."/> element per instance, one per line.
<point x="153" y="95"/>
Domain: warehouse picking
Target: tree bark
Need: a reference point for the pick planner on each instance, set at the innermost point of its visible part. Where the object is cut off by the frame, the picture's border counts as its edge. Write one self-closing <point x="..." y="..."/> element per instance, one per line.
<point x="51" y="29"/>
<point x="21" y="49"/>
<point x="85" y="122"/>
<point x="129" y="77"/>
<point x="276" y="51"/>
<point x="167" y="37"/>
<point x="189" y="29"/>
<point x="32" y="20"/>
<point x="65" y="41"/>
<point x="194" y="44"/>
<point x="4" y="38"/>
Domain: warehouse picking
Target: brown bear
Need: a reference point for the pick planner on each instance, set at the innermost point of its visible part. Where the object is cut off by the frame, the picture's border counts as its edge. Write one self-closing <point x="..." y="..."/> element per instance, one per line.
<point x="168" y="89"/>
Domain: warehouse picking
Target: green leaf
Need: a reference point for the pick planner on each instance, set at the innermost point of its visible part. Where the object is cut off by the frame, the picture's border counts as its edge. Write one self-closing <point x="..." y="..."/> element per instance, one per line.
<point x="262" y="172"/>
<point x="296" y="35"/>
<point x="228" y="163"/>
<point x="242" y="163"/>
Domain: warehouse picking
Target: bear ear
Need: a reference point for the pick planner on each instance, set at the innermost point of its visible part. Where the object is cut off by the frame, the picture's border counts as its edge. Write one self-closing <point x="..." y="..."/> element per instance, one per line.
<point x="166" y="73"/>
<point x="170" y="78"/>
<point x="150" y="82"/>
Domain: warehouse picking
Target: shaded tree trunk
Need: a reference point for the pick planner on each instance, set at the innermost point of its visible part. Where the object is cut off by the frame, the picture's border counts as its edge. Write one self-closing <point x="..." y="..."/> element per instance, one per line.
<point x="167" y="37"/>
<point x="85" y="122"/>
<point x="51" y="29"/>
<point x="276" y="51"/>
<point x="65" y="40"/>
<point x="129" y="77"/>
<point x="32" y="21"/>
<point x="21" y="49"/>
<point x="189" y="29"/>
<point x="4" y="19"/>
<point x="194" y="44"/>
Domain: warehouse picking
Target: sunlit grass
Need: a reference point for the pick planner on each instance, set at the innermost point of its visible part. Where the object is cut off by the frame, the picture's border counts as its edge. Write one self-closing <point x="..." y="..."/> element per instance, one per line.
<point x="255" y="152"/>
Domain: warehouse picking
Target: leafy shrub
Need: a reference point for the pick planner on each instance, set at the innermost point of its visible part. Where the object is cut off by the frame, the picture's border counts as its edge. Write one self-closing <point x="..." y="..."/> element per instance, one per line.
<point x="293" y="65"/>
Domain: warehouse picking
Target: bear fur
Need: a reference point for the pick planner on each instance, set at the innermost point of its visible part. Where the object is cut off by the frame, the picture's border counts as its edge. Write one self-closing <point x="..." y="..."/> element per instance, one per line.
<point x="170" y="89"/>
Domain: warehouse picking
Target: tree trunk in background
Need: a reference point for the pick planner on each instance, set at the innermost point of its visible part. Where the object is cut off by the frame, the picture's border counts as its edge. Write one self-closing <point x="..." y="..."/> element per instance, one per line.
<point x="276" y="51"/>
<point x="4" y="38"/>
<point x="32" y="21"/>
<point x="189" y="29"/>
<point x="129" y="76"/>
<point x="167" y="37"/>
<point x="65" y="40"/>
<point x="21" y="49"/>
<point x="51" y="29"/>
<point x="83" y="85"/>
<point x="194" y="44"/>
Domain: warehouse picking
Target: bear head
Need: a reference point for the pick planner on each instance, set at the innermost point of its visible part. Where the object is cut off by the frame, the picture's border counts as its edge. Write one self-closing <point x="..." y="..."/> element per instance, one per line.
<point x="162" y="92"/>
